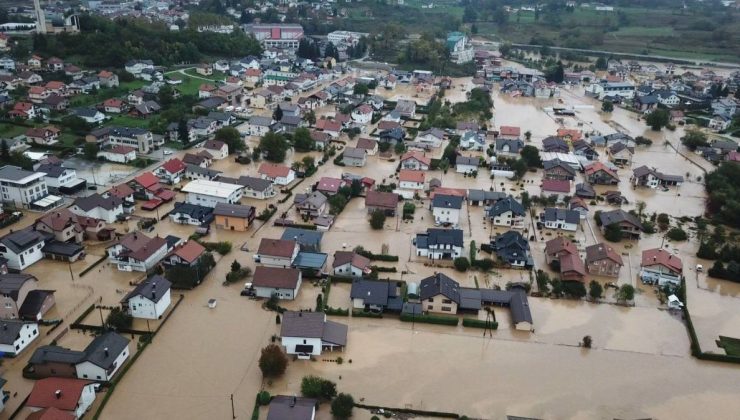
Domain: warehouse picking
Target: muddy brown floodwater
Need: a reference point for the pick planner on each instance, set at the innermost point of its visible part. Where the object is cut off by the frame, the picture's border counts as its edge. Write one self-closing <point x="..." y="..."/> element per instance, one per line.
<point x="640" y="365"/>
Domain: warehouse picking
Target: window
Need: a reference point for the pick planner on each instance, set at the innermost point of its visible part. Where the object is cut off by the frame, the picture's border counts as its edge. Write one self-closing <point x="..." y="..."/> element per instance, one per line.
<point x="430" y="307"/>
<point x="430" y="300"/>
<point x="99" y="377"/>
<point x="446" y="301"/>
<point x="8" y="305"/>
<point x="446" y="309"/>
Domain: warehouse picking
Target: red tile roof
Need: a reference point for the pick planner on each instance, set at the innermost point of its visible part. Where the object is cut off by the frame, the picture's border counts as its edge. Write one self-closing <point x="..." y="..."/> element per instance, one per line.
<point x="274" y="277"/>
<point x="418" y="156"/>
<point x="121" y="191"/>
<point x="44" y="393"/>
<point x="174" y="166"/>
<point x="507" y="130"/>
<point x="190" y="251"/>
<point x="121" y="149"/>
<point x="329" y="184"/>
<point x="574" y="134"/>
<point x="274" y="170"/>
<point x="411" y="176"/>
<point x="560" y="244"/>
<point x="147" y="179"/>
<point x="556" y="185"/>
<point x="598" y="166"/>
<point x="381" y="199"/>
<point x="51" y="413"/>
<point x="658" y="256"/>
<point x="276" y="247"/>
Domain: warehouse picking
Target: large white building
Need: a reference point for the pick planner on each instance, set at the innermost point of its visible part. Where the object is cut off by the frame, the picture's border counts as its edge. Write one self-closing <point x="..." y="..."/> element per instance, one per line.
<point x="345" y="37"/>
<point x="16" y="335"/>
<point x="26" y="189"/>
<point x="461" y="51"/>
<point x="307" y="334"/>
<point x="22" y="248"/>
<point x="138" y="138"/>
<point x="209" y="193"/>
<point x="276" y="35"/>
<point x="103" y="357"/>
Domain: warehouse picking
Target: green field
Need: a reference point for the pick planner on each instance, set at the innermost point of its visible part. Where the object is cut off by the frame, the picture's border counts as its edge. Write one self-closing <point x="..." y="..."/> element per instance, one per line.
<point x="11" y="130"/>
<point x="189" y="85"/>
<point x="731" y="345"/>
<point x="127" y="121"/>
<point x="217" y="76"/>
<point x="106" y="93"/>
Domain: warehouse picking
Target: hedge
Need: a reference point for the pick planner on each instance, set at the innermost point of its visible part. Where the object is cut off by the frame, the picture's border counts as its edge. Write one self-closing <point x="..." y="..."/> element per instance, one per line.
<point x="359" y="313"/>
<point x="339" y="279"/>
<point x="378" y="257"/>
<point x="442" y="414"/>
<point x="477" y="323"/>
<point x="336" y="311"/>
<point x="383" y="269"/>
<point x="431" y="319"/>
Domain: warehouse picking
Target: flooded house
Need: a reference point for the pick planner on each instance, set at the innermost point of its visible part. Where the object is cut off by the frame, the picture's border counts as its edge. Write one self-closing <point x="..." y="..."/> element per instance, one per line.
<point x="660" y="267"/>
<point x="354" y="156"/>
<point x="16" y="335"/>
<point x="137" y="252"/>
<point x="351" y="264"/>
<point x="284" y="283"/>
<point x="252" y="187"/>
<point x="559" y="188"/>
<point x="236" y="217"/>
<point x="277" y="252"/>
<point x="191" y="214"/>
<point x="20" y="297"/>
<point x="415" y="161"/>
<point x="277" y="174"/>
<point x="96" y="206"/>
<point x="572" y="268"/>
<point x="308" y="240"/>
<point x="629" y="224"/>
<point x="562" y="219"/>
<point x="71" y="397"/>
<point x="558" y="247"/>
<point x="437" y="244"/>
<point x="557" y="169"/>
<point x="484" y="198"/>
<point x="22" y="248"/>
<point x="66" y="226"/>
<point x="210" y="193"/>
<point x="513" y="249"/>
<point x="507" y="212"/>
<point x="307" y="334"/>
<point x="446" y="209"/>
<point x="603" y="260"/>
<point x="599" y="174"/>
<point x="645" y="176"/>
<point x="149" y="299"/>
<point x="466" y="164"/>
<point x="384" y="201"/>
<point x="287" y="407"/>
<point x="310" y="205"/>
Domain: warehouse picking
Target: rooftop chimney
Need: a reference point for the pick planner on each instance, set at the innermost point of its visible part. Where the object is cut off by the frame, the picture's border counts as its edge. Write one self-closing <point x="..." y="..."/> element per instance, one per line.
<point x="106" y="352"/>
<point x="58" y="393"/>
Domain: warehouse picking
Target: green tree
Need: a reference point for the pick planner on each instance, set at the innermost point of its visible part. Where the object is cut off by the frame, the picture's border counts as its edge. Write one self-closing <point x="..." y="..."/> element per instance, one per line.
<point x="607" y="106"/>
<point x="232" y="138"/>
<point x="90" y="151"/>
<point x="4" y="151"/>
<point x="613" y="233"/>
<point x="663" y="221"/>
<point x="473" y="250"/>
<point x="310" y="117"/>
<point x="302" y="141"/>
<point x="626" y="293"/>
<point x="273" y="361"/>
<point x="360" y="89"/>
<point x="461" y="264"/>
<point x="601" y="63"/>
<point x="677" y="234"/>
<point x="543" y="279"/>
<point x="274" y="147"/>
<point x="377" y="219"/>
<point x="355" y="188"/>
<point x="277" y="115"/>
<point x="657" y="119"/>
<point x="342" y="405"/>
<point x="337" y="203"/>
<point x="531" y="156"/>
<point x="118" y="320"/>
<point x="183" y="133"/>
<point x="595" y="290"/>
<point x="694" y="139"/>
<point x="235" y="266"/>
<point x="317" y="387"/>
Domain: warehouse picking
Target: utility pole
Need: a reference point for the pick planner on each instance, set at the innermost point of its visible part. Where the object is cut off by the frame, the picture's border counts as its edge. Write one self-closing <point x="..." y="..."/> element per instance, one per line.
<point x="233" y="413"/>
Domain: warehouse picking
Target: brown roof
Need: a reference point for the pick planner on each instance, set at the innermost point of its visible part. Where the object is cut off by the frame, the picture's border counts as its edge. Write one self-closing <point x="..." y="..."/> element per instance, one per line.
<point x="507" y="130"/>
<point x="344" y="257"/>
<point x="602" y="251"/>
<point x="148" y="249"/>
<point x="556" y="185"/>
<point x="58" y="220"/>
<point x="598" y="166"/>
<point x="329" y="184"/>
<point x="50" y="413"/>
<point x="121" y="191"/>
<point x="387" y="125"/>
<point x="277" y="247"/>
<point x="572" y="263"/>
<point x="190" y="251"/>
<point x="418" y="156"/>
<point x="274" y="170"/>
<point x="44" y="393"/>
<point x="278" y="278"/>
<point x="658" y="256"/>
<point x="560" y="244"/>
<point x="381" y="199"/>
<point x="367" y="144"/>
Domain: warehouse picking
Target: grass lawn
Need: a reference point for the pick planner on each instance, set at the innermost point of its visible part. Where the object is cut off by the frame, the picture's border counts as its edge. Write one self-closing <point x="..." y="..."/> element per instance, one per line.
<point x="217" y="76"/>
<point x="642" y="31"/>
<point x="67" y="138"/>
<point x="106" y="93"/>
<point x="11" y="130"/>
<point x="189" y="85"/>
<point x="731" y="345"/>
<point x="128" y="121"/>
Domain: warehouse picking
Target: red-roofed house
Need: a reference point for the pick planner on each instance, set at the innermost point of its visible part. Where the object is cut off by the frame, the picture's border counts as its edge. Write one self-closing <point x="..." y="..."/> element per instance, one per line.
<point x="350" y="264"/>
<point x="331" y="127"/>
<point x="572" y="268"/>
<point x="24" y="110"/>
<point x="277" y="174"/>
<point x="44" y="136"/>
<point x="277" y="252"/>
<point x="556" y="187"/>
<point x="171" y="171"/>
<point x="329" y="186"/>
<point x="275" y="281"/>
<point x="108" y="79"/>
<point x="556" y="248"/>
<point x="598" y="173"/>
<point x="507" y="131"/>
<point x="187" y="254"/>
<point x="411" y="180"/>
<point x="384" y="201"/>
<point x="137" y="252"/>
<point x="118" y="153"/>
<point x="363" y="114"/>
<point x="416" y="161"/>
<point x="569" y="134"/>
<point x="661" y="267"/>
<point x="70" y="395"/>
<point x="113" y="106"/>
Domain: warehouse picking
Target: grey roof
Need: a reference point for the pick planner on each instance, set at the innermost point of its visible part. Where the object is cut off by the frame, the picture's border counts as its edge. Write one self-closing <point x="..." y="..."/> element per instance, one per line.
<point x="33" y="303"/>
<point x="511" y="245"/>
<point x="618" y="216"/>
<point x="313" y="325"/>
<point x="480" y="195"/>
<point x="235" y="210"/>
<point x="374" y="292"/>
<point x="354" y="153"/>
<point x="129" y="132"/>
<point x="283" y="407"/>
<point x="195" y="211"/>
<point x="260" y="121"/>
<point x="470" y="298"/>
<point x="504" y="205"/>
<point x="51" y="170"/>
<point x="310" y="260"/>
<point x="552" y="214"/>
<point x="557" y="163"/>
<point x="153" y="288"/>
<point x="96" y="200"/>
<point x="291" y="120"/>
<point x="202" y="171"/>
<point x="585" y="190"/>
<point x="316" y="199"/>
<point x="452" y="237"/>
<point x="67" y="249"/>
<point x="515" y="145"/>
<point x="22" y="240"/>
<point x="304" y="237"/>
<point x="447" y="201"/>
<point x="14" y="173"/>
<point x="10" y="329"/>
<point x="465" y="160"/>
<point x="439" y="284"/>
<point x="253" y="183"/>
<point x="104" y="349"/>
<point x="56" y="354"/>
<point x="85" y="112"/>
<point x="553" y="143"/>
<point x="11" y="283"/>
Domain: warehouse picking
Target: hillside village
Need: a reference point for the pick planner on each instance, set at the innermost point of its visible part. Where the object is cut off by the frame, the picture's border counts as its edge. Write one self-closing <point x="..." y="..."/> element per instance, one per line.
<point x="330" y="209"/>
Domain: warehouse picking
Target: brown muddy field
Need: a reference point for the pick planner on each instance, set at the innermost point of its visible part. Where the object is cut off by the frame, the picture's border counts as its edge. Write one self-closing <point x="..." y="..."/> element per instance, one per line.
<point x="640" y="365"/>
